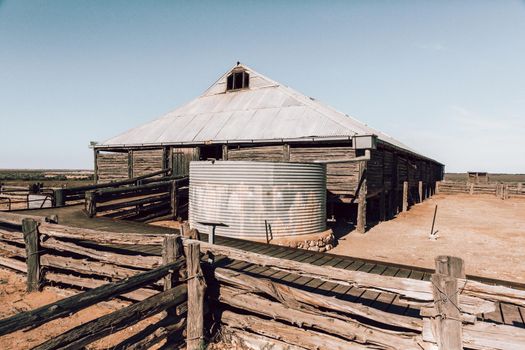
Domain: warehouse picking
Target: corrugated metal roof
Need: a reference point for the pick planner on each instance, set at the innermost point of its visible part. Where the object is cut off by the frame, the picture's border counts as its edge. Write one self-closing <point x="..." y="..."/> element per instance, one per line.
<point x="267" y="110"/>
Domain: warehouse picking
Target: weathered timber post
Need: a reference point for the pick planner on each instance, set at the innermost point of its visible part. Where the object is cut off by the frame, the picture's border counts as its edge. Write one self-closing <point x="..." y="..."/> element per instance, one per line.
<point x="520" y="185"/>
<point x="446" y="322"/>
<point x="450" y="266"/>
<point x="95" y="165"/>
<point x="58" y="195"/>
<point x="130" y="164"/>
<point x="361" y="201"/>
<point x="196" y="289"/>
<point x="405" y="195"/>
<point x="286" y="152"/>
<point x="31" y="239"/>
<point x="171" y="251"/>
<point x="224" y="152"/>
<point x="436" y="191"/>
<point x="471" y="191"/>
<point x="173" y="200"/>
<point x="90" y="203"/>
<point x="420" y="190"/>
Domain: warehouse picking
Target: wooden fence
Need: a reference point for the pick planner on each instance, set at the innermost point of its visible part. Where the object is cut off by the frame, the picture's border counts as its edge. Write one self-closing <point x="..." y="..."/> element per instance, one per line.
<point x="78" y="259"/>
<point x="64" y="196"/>
<point x="259" y="311"/>
<point x="143" y="203"/>
<point x="501" y="190"/>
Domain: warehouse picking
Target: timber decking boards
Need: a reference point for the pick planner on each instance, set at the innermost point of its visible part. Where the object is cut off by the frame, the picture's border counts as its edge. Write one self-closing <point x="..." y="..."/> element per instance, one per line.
<point x="73" y="216"/>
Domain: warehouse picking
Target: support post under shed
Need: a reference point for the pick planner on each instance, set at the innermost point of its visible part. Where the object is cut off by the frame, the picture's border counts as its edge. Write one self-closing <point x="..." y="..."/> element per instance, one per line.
<point x="405" y="195"/>
<point x="361" y="199"/>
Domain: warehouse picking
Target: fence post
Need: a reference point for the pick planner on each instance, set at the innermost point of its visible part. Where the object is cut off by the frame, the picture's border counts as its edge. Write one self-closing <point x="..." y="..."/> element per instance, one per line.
<point x="447" y="324"/>
<point x="31" y="239"/>
<point x="471" y="191"/>
<point x="174" y="199"/>
<point x="59" y="197"/>
<point x="196" y="289"/>
<point x="171" y="249"/>
<point x="90" y="203"/>
<point x="405" y="195"/>
<point x="420" y="188"/>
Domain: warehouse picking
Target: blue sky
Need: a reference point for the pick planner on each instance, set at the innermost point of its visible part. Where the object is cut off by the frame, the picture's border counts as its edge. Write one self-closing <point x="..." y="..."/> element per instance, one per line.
<point x="445" y="77"/>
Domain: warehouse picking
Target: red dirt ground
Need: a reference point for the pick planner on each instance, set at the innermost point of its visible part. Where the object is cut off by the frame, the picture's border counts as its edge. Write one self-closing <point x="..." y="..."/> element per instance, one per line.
<point x="487" y="232"/>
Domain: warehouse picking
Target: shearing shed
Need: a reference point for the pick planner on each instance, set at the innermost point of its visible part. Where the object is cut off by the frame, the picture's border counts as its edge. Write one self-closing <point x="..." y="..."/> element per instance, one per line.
<point x="247" y="116"/>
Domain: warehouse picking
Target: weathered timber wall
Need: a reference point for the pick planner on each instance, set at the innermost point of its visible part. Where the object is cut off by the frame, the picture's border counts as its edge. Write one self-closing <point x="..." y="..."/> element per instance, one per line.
<point x="257" y="153"/>
<point x="375" y="171"/>
<point x="341" y="178"/>
<point x="181" y="158"/>
<point x="112" y="166"/>
<point x="147" y="161"/>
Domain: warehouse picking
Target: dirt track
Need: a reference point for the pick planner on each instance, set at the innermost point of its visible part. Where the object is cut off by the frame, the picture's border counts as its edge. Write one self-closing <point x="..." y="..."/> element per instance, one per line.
<point x="488" y="233"/>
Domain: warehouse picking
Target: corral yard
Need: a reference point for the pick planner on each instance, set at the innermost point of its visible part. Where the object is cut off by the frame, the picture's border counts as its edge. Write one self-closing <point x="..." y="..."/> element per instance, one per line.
<point x="487" y="232"/>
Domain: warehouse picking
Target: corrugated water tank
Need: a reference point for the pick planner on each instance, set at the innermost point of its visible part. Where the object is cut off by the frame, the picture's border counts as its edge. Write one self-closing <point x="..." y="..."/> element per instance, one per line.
<point x="291" y="197"/>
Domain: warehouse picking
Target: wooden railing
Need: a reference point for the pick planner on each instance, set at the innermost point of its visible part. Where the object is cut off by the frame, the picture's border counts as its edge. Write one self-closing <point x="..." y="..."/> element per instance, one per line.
<point x="501" y="190"/>
<point x="64" y="196"/>
<point x="144" y="202"/>
<point x="250" y="306"/>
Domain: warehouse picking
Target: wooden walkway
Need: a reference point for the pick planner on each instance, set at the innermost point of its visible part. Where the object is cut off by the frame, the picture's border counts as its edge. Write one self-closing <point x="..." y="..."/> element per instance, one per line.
<point x="505" y="313"/>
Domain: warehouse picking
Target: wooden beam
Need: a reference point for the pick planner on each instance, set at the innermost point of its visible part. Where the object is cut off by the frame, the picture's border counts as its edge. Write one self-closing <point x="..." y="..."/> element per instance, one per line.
<point x="130" y="164"/>
<point x="361" y="202"/>
<point x="224" y="152"/>
<point x="173" y="199"/>
<point x="95" y="166"/>
<point x="303" y="300"/>
<point x="348" y="329"/>
<point x="105" y="237"/>
<point x="286" y="152"/>
<point x="405" y="196"/>
<point x="87" y="333"/>
<point x="196" y="288"/>
<point x="420" y="191"/>
<point x="31" y="238"/>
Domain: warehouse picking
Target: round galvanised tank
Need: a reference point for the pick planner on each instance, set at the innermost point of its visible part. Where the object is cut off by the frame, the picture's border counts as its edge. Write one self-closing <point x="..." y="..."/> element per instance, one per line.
<point x="249" y="198"/>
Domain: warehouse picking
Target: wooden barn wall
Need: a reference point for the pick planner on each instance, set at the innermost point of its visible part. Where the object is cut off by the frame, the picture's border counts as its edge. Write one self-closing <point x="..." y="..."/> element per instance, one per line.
<point x="341" y="178"/>
<point x="257" y="153"/>
<point x="374" y="171"/>
<point x="112" y="166"/>
<point x="147" y="161"/>
<point x="388" y="169"/>
<point x="181" y="158"/>
<point x="402" y="171"/>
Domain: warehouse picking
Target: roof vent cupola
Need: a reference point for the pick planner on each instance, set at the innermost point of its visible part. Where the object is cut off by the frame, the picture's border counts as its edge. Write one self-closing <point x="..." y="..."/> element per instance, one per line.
<point x="238" y="79"/>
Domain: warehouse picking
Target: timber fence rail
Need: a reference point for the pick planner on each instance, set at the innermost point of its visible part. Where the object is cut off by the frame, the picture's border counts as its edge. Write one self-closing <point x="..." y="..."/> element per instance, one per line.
<point x="65" y="196"/>
<point x="500" y="190"/>
<point x="151" y="201"/>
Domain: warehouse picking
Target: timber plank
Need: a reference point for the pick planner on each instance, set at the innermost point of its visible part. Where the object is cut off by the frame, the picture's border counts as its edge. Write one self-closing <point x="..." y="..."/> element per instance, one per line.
<point x="511" y="315"/>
